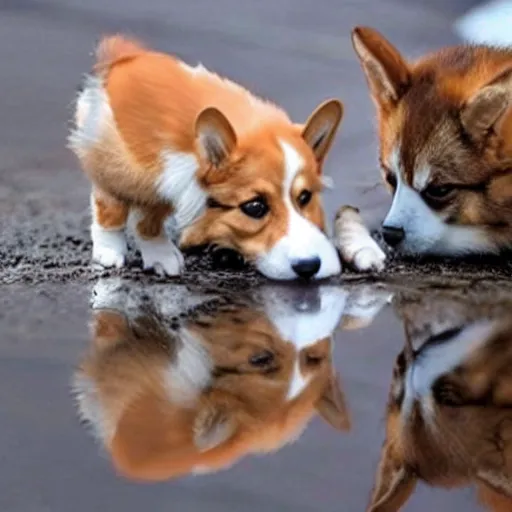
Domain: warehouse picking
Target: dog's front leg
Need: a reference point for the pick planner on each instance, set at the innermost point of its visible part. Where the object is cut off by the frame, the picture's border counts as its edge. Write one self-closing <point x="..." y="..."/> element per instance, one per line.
<point x="354" y="242"/>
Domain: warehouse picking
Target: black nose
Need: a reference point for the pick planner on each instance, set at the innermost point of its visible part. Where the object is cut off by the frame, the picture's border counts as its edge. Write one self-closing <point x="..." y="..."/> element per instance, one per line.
<point x="392" y="236"/>
<point x="307" y="268"/>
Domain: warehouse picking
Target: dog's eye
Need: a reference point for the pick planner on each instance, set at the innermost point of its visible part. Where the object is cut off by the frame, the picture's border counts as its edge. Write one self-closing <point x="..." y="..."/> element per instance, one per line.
<point x="438" y="192"/>
<point x="304" y="197"/>
<point x="313" y="360"/>
<point x="262" y="359"/>
<point x="255" y="208"/>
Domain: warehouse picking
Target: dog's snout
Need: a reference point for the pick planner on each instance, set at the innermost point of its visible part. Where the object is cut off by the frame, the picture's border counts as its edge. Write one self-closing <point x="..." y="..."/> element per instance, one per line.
<point x="393" y="235"/>
<point x="307" y="268"/>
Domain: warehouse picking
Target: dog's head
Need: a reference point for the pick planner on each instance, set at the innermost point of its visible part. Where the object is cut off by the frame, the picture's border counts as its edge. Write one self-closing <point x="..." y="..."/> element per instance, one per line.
<point x="448" y="417"/>
<point x="445" y="145"/>
<point x="168" y="400"/>
<point x="264" y="190"/>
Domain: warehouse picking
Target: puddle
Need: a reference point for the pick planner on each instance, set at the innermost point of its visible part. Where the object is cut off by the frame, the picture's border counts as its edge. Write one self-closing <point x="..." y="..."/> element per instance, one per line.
<point x="131" y="394"/>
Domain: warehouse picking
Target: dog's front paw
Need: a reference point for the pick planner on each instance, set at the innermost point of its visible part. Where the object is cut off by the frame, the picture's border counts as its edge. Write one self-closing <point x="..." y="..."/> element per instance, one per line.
<point x="163" y="257"/>
<point x="356" y="245"/>
<point x="107" y="257"/>
<point x="108" y="247"/>
<point x="369" y="258"/>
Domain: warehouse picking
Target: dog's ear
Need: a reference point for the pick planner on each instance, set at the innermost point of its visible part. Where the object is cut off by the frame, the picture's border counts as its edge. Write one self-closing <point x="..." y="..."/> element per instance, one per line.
<point x="394" y="483"/>
<point x="332" y="407"/>
<point x="216" y="137"/>
<point x="213" y="426"/>
<point x="487" y="108"/>
<point x="387" y="72"/>
<point x="321" y="127"/>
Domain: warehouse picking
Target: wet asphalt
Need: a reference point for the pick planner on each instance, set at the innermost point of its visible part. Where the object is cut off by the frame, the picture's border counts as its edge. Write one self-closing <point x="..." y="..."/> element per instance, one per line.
<point x="296" y="52"/>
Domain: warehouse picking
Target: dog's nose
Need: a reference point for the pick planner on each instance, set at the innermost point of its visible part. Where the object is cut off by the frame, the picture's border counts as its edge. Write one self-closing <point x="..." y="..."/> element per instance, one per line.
<point x="307" y="268"/>
<point x="392" y="236"/>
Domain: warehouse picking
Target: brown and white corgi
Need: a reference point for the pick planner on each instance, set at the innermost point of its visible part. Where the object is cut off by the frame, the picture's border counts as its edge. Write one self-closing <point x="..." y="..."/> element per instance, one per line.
<point x="449" y="417"/>
<point x="159" y="138"/>
<point x="168" y="398"/>
<point x="445" y="130"/>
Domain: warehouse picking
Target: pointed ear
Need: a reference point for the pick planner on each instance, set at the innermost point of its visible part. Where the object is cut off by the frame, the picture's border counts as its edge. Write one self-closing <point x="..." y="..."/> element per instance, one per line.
<point x="321" y="127"/>
<point x="332" y="407"/>
<point x="387" y="72"/>
<point x="486" y="108"/>
<point x="394" y="484"/>
<point x="215" y="136"/>
<point x="212" y="427"/>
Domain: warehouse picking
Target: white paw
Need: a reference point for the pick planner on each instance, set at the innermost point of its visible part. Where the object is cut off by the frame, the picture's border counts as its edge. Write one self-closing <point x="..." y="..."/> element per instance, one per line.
<point x="369" y="258"/>
<point x="162" y="256"/>
<point x="355" y="243"/>
<point x="108" y="247"/>
<point x="107" y="293"/>
<point x="363" y="305"/>
<point x="106" y="257"/>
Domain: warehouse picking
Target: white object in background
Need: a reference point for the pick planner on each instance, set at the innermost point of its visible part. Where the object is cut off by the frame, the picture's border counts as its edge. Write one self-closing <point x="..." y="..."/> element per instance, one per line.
<point x="490" y="23"/>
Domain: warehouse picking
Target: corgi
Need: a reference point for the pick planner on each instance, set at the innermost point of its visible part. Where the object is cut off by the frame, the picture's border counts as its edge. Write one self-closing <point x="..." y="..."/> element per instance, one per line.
<point x="445" y="131"/>
<point x="158" y="138"/>
<point x="449" y="417"/>
<point x="169" y="397"/>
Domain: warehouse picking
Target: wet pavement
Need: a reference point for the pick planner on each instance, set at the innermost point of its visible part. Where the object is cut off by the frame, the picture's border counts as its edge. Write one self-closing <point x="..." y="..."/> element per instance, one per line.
<point x="60" y="398"/>
<point x="112" y="357"/>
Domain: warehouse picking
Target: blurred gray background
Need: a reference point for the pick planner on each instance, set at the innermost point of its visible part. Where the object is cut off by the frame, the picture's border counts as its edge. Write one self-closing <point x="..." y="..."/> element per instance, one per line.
<point x="296" y="52"/>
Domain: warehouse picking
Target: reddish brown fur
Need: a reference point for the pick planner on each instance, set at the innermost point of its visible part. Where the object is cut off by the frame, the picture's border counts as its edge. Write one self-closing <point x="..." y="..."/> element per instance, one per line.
<point x="154" y="438"/>
<point x="156" y="101"/>
<point x="233" y="228"/>
<point x="111" y="213"/>
<point x="470" y="443"/>
<point x="152" y="222"/>
<point x="426" y="109"/>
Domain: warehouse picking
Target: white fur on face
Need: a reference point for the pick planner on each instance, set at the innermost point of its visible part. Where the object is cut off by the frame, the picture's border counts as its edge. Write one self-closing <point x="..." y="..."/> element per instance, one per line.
<point x="425" y="230"/>
<point x="302" y="326"/>
<point x="436" y="360"/>
<point x="303" y="240"/>
<point x="306" y="322"/>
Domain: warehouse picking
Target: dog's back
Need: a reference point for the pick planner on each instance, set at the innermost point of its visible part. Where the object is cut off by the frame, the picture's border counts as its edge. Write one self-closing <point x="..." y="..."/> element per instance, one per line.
<point x="141" y="102"/>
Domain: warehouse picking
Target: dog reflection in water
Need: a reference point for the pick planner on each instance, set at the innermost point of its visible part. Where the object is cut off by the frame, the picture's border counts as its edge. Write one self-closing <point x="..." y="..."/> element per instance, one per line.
<point x="449" y="417"/>
<point x="177" y="383"/>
